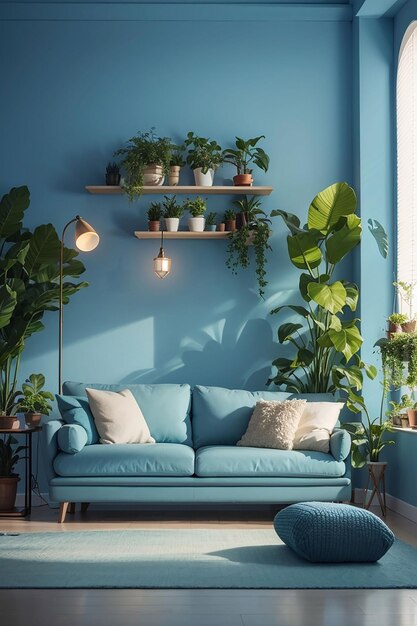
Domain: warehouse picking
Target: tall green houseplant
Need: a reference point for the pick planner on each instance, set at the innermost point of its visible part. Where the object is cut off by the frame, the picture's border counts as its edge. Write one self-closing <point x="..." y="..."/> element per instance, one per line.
<point x="327" y="340"/>
<point x="29" y="286"/>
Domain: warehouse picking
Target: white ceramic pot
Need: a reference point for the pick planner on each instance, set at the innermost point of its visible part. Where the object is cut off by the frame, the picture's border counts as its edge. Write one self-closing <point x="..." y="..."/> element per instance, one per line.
<point x="203" y="180"/>
<point x="153" y="175"/>
<point x="172" y="224"/>
<point x="196" y="224"/>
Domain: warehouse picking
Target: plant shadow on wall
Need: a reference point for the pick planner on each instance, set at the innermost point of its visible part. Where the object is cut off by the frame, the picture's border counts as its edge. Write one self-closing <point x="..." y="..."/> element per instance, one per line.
<point x="215" y="354"/>
<point x="327" y="341"/>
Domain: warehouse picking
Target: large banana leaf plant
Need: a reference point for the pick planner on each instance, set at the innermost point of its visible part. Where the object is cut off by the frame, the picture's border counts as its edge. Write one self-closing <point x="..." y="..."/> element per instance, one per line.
<point x="29" y="286"/>
<point x="327" y="340"/>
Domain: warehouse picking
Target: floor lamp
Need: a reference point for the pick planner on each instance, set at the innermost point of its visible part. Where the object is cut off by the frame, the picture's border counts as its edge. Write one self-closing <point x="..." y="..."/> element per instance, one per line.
<point x="86" y="239"/>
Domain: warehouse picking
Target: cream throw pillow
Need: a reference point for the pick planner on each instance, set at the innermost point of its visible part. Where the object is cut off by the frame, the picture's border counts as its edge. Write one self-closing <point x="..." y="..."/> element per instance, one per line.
<point x="316" y="425"/>
<point x="118" y="417"/>
<point x="273" y="424"/>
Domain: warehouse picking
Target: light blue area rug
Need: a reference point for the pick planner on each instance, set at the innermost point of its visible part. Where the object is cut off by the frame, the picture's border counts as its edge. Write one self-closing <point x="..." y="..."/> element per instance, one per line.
<point x="233" y="559"/>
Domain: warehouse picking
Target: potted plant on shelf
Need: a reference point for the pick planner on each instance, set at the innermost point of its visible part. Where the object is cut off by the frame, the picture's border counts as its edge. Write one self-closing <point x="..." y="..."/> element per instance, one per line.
<point x="246" y="153"/>
<point x="395" y="323"/>
<point x="154" y="216"/>
<point x="146" y="161"/>
<point x="221" y="227"/>
<point x="406" y="293"/>
<point x="196" y="208"/>
<point x="172" y="213"/>
<point x="211" y="221"/>
<point x="204" y="157"/>
<point x="34" y="402"/>
<point x="112" y="174"/>
<point x="9" y="456"/>
<point x="398" y="412"/>
<point x="29" y="286"/>
<point x="230" y="220"/>
<point x="253" y="231"/>
<point x="175" y="165"/>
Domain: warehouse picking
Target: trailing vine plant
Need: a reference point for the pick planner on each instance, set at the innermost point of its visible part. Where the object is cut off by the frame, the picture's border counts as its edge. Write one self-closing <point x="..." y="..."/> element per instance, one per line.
<point x="399" y="359"/>
<point x="327" y="340"/>
<point x="254" y="231"/>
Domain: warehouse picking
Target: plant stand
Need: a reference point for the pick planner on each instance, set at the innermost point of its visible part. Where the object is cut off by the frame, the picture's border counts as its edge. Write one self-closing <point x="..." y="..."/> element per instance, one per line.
<point x="376" y="482"/>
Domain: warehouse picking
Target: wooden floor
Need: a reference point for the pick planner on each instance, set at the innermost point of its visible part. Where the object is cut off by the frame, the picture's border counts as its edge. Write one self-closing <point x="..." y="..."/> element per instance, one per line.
<point x="101" y="607"/>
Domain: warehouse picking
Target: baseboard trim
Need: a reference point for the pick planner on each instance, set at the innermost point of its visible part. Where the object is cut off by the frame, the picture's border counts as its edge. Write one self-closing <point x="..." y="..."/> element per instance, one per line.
<point x="394" y="504"/>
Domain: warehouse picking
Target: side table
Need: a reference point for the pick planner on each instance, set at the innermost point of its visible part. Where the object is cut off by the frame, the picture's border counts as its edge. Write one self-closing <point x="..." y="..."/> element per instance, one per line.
<point x="27" y="433"/>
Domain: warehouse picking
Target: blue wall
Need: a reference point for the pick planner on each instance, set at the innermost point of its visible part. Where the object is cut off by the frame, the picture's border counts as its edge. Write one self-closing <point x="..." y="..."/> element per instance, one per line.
<point x="77" y="90"/>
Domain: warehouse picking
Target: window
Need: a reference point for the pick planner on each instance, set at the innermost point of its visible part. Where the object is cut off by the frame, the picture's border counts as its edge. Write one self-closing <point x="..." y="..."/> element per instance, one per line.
<point x="407" y="166"/>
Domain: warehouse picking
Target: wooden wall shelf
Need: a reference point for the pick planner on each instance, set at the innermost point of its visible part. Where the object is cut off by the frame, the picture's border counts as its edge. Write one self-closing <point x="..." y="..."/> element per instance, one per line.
<point x="182" y="234"/>
<point x="188" y="190"/>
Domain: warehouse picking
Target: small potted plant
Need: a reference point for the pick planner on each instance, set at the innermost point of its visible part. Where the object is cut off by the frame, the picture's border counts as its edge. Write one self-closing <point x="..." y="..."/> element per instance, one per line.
<point x="112" y="174"/>
<point x="221" y="227"/>
<point x="398" y="410"/>
<point x="196" y="208"/>
<point x="230" y="220"/>
<point x="175" y="165"/>
<point x="406" y="291"/>
<point x="395" y="323"/>
<point x="146" y="161"/>
<point x="211" y="221"/>
<point x="246" y="153"/>
<point x="172" y="213"/>
<point x="34" y="402"/>
<point x="9" y="456"/>
<point x="204" y="157"/>
<point x="154" y="216"/>
<point x="405" y="422"/>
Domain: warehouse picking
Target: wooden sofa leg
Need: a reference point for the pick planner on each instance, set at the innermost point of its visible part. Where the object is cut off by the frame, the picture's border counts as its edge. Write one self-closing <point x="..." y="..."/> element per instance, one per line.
<point x="63" y="508"/>
<point x="71" y="508"/>
<point x="84" y="506"/>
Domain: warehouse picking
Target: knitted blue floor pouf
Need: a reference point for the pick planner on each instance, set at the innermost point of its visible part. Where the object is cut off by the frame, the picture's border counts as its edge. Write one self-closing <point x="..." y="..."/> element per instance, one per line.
<point x="323" y="532"/>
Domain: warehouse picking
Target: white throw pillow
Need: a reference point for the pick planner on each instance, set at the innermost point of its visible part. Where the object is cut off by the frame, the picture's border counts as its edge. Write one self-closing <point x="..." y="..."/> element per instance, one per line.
<point x="118" y="417"/>
<point x="316" y="425"/>
<point x="273" y="424"/>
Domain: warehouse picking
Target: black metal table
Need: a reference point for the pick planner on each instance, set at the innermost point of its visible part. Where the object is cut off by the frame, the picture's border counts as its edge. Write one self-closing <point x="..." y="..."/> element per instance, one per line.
<point x="27" y="432"/>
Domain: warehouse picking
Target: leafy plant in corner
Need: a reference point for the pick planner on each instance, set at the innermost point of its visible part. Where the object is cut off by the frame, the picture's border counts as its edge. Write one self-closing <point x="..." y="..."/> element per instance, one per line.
<point x="34" y="399"/>
<point x="327" y="339"/>
<point x="29" y="286"/>
<point x="246" y="154"/>
<point x="254" y="230"/>
<point x="145" y="149"/>
<point x="203" y="153"/>
<point x="196" y="207"/>
<point x="172" y="208"/>
<point x="9" y="456"/>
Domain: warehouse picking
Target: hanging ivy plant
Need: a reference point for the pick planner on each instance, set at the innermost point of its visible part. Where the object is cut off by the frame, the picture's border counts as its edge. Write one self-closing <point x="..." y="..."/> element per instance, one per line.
<point x="399" y="359"/>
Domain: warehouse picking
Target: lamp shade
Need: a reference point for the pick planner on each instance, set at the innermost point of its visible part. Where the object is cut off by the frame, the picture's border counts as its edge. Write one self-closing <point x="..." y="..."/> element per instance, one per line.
<point x="86" y="238"/>
<point x="161" y="264"/>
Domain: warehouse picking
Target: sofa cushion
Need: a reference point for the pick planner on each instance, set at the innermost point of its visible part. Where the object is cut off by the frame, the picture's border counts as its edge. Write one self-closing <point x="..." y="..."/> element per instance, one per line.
<point x="76" y="410"/>
<point x="166" y="407"/>
<point x="72" y="438"/>
<point x="232" y="461"/>
<point x="130" y="459"/>
<point x="221" y="416"/>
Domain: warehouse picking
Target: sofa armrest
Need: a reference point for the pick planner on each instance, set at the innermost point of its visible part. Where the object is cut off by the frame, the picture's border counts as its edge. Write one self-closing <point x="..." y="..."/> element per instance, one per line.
<point x="340" y="443"/>
<point x="49" y="439"/>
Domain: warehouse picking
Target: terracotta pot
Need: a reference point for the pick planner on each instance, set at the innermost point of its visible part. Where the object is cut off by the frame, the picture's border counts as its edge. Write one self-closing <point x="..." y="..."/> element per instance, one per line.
<point x="221" y="227"/>
<point x="154" y="225"/>
<point x="112" y="180"/>
<point x="405" y="423"/>
<point x="412" y="417"/>
<point x="174" y="175"/>
<point x="8" y="489"/>
<point x="153" y="175"/>
<point x="230" y="225"/>
<point x="394" y="329"/>
<point x="242" y="180"/>
<point x="9" y="422"/>
<point x="409" y="327"/>
<point x="33" y="419"/>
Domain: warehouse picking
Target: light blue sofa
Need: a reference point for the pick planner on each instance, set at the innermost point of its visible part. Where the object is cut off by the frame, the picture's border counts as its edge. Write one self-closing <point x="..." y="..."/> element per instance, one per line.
<point x="194" y="459"/>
